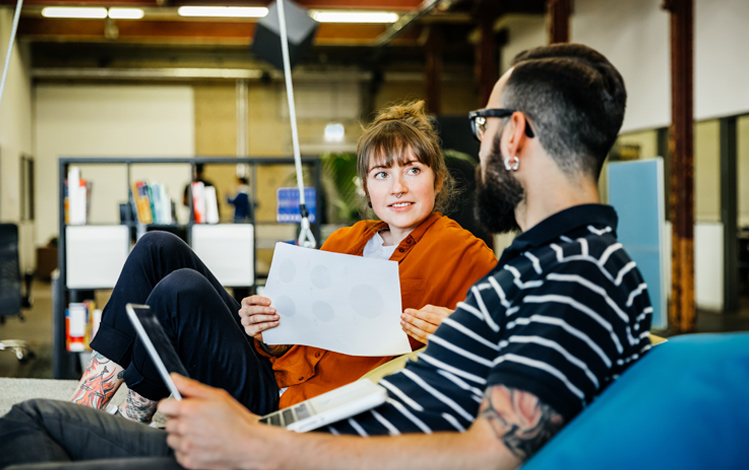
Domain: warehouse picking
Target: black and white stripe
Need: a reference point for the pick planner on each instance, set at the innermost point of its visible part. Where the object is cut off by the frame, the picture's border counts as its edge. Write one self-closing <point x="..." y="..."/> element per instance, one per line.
<point x="561" y="317"/>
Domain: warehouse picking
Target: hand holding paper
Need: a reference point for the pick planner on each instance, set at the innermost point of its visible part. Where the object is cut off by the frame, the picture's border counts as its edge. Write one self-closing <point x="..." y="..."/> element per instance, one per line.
<point x="257" y="316"/>
<point x="338" y="302"/>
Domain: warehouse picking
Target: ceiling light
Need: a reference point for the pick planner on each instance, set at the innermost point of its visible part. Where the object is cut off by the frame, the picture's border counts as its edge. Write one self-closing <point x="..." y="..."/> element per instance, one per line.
<point x="344" y="16"/>
<point x="225" y="12"/>
<point x="125" y="13"/>
<point x="74" y="12"/>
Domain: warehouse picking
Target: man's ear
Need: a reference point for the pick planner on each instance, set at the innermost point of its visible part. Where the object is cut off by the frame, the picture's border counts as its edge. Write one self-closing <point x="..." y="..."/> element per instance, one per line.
<point x="518" y="138"/>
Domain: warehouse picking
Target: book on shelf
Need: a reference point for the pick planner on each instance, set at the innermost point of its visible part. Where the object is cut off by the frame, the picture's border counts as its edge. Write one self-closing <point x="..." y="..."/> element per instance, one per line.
<point x="204" y="203"/>
<point x="76" y="203"/>
<point x="82" y="321"/>
<point x="142" y="203"/>
<point x="152" y="203"/>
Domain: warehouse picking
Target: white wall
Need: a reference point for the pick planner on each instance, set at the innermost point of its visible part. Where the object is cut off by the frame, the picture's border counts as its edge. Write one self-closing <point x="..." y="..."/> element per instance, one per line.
<point x="721" y="66"/>
<point x="15" y="136"/>
<point x="109" y="121"/>
<point x="523" y="32"/>
<point x="634" y="36"/>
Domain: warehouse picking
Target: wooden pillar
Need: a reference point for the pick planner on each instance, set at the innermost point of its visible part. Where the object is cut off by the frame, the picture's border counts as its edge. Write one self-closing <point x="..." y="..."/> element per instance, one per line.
<point x="487" y="54"/>
<point x="681" y="199"/>
<point x="433" y="70"/>
<point x="558" y="13"/>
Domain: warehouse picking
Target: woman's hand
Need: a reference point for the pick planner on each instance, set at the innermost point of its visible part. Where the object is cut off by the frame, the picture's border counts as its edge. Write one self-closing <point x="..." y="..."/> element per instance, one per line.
<point x="257" y="316"/>
<point x="421" y="323"/>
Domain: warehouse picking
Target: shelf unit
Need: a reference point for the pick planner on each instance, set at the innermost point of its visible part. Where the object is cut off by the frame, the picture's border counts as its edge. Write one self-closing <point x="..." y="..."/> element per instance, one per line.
<point x="64" y="362"/>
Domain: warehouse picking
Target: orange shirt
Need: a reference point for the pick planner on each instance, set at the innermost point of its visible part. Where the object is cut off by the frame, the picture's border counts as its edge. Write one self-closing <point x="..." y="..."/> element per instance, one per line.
<point x="437" y="262"/>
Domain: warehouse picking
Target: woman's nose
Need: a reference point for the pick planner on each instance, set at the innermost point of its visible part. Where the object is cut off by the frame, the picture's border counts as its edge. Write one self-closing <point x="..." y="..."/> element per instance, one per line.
<point x="399" y="185"/>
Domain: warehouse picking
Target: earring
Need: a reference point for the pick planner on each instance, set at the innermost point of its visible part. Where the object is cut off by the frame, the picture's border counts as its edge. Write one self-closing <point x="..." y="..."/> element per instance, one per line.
<point x="369" y="203"/>
<point x="514" y="165"/>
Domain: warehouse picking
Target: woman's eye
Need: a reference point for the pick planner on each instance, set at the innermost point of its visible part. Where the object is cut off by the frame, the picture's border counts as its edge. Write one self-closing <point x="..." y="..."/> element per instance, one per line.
<point x="414" y="171"/>
<point x="380" y="175"/>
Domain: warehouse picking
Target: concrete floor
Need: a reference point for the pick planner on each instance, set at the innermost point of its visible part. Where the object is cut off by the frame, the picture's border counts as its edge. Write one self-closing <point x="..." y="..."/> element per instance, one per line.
<point x="37" y="331"/>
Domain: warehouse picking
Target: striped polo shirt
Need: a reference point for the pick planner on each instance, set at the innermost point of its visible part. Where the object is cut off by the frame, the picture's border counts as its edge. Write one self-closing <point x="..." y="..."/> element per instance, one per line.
<point x="563" y="313"/>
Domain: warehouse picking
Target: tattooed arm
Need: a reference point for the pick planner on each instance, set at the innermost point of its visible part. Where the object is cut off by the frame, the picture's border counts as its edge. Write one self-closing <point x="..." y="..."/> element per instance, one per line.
<point x="209" y="429"/>
<point x="518" y="419"/>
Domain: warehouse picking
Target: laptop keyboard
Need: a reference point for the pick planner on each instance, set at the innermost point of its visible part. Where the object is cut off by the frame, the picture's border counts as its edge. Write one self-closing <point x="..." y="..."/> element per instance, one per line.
<point x="287" y="416"/>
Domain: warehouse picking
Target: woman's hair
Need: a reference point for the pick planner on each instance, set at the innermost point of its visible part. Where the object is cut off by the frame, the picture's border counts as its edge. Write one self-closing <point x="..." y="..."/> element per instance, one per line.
<point x="394" y="132"/>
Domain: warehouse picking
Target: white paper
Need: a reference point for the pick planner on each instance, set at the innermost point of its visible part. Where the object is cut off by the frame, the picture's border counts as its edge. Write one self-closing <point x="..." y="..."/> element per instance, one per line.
<point x="343" y="303"/>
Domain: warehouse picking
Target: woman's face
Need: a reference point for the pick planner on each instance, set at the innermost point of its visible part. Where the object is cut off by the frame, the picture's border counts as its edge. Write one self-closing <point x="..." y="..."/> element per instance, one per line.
<point x="401" y="195"/>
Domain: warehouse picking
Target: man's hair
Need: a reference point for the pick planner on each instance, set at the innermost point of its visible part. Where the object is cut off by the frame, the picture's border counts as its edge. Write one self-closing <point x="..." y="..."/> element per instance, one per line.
<point x="394" y="132"/>
<point x="575" y="99"/>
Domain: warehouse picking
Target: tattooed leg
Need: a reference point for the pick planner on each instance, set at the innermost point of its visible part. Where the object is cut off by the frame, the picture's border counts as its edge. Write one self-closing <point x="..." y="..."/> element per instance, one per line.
<point x="99" y="383"/>
<point x="138" y="408"/>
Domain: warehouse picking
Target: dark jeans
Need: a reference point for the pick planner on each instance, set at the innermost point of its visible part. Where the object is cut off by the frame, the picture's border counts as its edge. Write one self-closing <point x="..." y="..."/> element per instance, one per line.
<point x="200" y="318"/>
<point x="55" y="431"/>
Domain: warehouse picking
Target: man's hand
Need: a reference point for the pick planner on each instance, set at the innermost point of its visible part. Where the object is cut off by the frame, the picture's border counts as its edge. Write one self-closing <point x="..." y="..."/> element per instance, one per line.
<point x="421" y="323"/>
<point x="210" y="429"/>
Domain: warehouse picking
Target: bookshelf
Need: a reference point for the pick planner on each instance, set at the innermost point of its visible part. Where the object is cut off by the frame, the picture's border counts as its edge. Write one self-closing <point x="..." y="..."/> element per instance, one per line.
<point x="90" y="256"/>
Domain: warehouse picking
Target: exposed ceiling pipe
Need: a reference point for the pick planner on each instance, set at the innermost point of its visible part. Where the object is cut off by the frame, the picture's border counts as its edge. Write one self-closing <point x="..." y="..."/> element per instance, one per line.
<point x="405" y="21"/>
<point x="188" y="74"/>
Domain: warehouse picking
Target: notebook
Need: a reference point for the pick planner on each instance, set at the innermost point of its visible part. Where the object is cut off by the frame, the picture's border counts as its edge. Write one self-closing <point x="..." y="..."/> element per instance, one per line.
<point x="308" y="415"/>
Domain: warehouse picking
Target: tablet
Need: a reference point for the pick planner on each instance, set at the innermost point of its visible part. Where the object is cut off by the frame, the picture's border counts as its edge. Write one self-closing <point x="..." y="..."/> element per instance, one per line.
<point x="157" y="344"/>
<point x="314" y="413"/>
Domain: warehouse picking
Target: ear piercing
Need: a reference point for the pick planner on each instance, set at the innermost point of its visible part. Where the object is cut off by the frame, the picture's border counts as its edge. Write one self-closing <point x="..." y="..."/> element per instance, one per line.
<point x="512" y="163"/>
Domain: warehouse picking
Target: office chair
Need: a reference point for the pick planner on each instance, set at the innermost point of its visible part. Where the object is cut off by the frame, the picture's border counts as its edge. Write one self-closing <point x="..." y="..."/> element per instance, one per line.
<point x="12" y="300"/>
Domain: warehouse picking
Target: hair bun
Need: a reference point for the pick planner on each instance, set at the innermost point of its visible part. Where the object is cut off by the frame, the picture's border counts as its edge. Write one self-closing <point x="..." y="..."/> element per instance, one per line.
<point x="412" y="112"/>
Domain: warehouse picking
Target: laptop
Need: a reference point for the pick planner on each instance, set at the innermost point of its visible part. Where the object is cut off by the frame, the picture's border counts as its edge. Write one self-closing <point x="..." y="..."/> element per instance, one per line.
<point x="308" y="415"/>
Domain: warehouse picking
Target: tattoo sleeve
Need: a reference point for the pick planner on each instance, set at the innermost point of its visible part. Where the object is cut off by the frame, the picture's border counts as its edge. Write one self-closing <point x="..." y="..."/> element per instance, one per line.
<point x="519" y="420"/>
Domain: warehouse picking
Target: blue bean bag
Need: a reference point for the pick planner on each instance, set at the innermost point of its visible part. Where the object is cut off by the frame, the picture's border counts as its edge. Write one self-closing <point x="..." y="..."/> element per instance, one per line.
<point x="685" y="405"/>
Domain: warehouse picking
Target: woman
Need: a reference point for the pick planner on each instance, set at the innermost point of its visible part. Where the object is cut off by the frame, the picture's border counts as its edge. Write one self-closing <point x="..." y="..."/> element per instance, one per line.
<point x="405" y="179"/>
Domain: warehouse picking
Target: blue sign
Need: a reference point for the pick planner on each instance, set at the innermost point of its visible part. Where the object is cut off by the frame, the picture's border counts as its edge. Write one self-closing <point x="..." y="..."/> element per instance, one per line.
<point x="636" y="192"/>
<point x="288" y="205"/>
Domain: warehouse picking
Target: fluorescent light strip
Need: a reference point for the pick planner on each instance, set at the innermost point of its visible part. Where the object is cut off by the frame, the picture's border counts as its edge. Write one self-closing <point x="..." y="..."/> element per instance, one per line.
<point x="74" y="12"/>
<point x="223" y="12"/>
<point x="125" y="13"/>
<point x="343" y="16"/>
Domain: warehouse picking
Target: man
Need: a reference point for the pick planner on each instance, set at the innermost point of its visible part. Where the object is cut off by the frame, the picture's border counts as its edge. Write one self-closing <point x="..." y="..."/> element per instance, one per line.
<point x="562" y="315"/>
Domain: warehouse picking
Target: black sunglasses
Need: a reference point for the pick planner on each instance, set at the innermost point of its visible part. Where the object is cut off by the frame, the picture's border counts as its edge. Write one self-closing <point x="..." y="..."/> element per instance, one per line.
<point x="478" y="120"/>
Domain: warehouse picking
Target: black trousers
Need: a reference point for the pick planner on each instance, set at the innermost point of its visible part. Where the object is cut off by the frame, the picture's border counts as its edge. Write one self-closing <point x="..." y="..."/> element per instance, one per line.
<point x="200" y="318"/>
<point x="37" y="431"/>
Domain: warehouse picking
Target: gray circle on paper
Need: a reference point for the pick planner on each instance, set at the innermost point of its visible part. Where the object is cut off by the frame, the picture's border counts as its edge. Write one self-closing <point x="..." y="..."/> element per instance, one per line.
<point x="323" y="310"/>
<point x="321" y="277"/>
<point x="366" y="301"/>
<point x="284" y="306"/>
<point x="288" y="271"/>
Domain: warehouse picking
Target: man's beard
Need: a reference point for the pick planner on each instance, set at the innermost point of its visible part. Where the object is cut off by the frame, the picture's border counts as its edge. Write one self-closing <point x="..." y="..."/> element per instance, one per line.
<point x="497" y="194"/>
